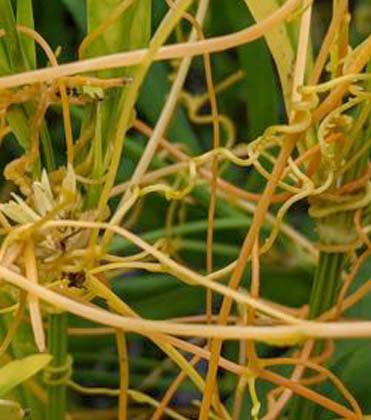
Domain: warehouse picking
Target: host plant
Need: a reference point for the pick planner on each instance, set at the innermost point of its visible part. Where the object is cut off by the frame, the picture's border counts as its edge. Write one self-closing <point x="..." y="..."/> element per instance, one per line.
<point x="144" y="253"/>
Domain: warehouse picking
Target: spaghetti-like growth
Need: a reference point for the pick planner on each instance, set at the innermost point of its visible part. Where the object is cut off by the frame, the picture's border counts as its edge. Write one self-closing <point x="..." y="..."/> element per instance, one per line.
<point x="134" y="201"/>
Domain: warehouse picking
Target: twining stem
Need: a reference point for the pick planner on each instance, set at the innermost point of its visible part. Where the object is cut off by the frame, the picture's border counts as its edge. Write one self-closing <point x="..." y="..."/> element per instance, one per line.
<point x="57" y="343"/>
<point x="276" y="334"/>
<point x="132" y="58"/>
<point x="146" y="156"/>
<point x="124" y="373"/>
<point x="262" y="208"/>
<point x="123" y="122"/>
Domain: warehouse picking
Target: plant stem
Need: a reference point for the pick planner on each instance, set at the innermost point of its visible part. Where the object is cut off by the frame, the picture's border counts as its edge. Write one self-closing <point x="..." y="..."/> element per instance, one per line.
<point x="57" y="341"/>
<point x="326" y="282"/>
<point x="324" y="294"/>
<point x="327" y="276"/>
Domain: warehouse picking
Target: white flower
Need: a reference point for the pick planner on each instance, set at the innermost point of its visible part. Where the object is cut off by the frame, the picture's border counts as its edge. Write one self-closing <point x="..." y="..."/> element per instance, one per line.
<point x="42" y="200"/>
<point x="46" y="203"/>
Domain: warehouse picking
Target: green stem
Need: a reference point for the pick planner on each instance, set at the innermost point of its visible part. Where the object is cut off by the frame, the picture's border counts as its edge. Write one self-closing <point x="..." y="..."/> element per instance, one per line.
<point x="324" y="294"/>
<point x="327" y="276"/>
<point x="326" y="283"/>
<point x="57" y="341"/>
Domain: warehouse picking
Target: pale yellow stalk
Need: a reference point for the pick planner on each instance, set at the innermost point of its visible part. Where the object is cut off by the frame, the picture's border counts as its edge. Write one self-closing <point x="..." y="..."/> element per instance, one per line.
<point x="33" y="301"/>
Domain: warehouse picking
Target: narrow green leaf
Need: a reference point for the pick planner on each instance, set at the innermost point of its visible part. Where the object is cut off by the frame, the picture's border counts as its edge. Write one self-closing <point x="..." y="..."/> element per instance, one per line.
<point x="18" y="121"/>
<point x="78" y="11"/>
<point x="180" y="130"/>
<point x="25" y="18"/>
<point x="128" y="31"/>
<point x="12" y="59"/>
<point x="17" y="53"/>
<point x="11" y="41"/>
<point x="259" y="86"/>
<point x="279" y="42"/>
<point x="4" y="62"/>
<point x="18" y="371"/>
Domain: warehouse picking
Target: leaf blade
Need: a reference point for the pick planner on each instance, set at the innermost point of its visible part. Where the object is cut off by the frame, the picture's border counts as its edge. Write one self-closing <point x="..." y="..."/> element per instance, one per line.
<point x="280" y="43"/>
<point x="25" y="18"/>
<point x="18" y="371"/>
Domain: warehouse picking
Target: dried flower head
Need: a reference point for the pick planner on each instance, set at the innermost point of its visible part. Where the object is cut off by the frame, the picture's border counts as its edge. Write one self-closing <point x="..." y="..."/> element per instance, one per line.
<point x="54" y="246"/>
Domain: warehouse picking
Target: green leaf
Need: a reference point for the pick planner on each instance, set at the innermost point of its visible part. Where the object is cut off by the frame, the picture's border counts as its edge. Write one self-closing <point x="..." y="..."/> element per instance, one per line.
<point x="21" y="346"/>
<point x="11" y="41"/>
<point x="78" y="12"/>
<point x="351" y="363"/>
<point x="259" y="86"/>
<point x="180" y="130"/>
<point x="18" y="371"/>
<point x="129" y="31"/>
<point x="356" y="376"/>
<point x="54" y="23"/>
<point x="280" y="43"/>
<point x="4" y="62"/>
<point x="25" y="18"/>
<point x="13" y="59"/>
<point x="18" y="121"/>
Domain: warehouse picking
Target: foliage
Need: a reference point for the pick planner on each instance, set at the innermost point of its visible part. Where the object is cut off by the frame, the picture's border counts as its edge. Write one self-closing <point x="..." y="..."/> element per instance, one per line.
<point x="185" y="209"/>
